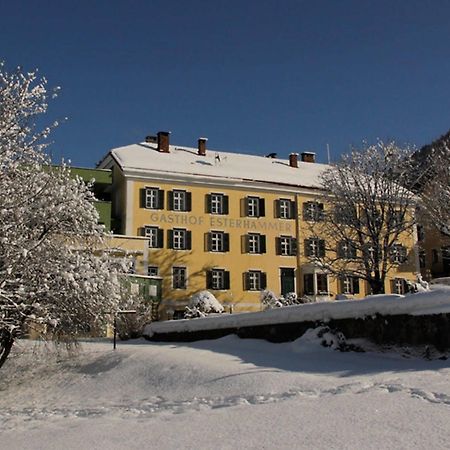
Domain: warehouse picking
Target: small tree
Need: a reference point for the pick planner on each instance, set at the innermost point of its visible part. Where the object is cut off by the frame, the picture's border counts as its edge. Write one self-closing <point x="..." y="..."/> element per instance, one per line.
<point x="367" y="213"/>
<point x="54" y="274"/>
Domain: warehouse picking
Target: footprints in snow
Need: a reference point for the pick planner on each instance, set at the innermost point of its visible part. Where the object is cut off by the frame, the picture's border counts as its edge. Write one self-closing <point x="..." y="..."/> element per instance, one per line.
<point x="158" y="405"/>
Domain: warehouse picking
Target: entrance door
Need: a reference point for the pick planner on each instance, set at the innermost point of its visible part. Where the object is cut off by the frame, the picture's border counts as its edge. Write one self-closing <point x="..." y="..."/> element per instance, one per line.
<point x="287" y="277"/>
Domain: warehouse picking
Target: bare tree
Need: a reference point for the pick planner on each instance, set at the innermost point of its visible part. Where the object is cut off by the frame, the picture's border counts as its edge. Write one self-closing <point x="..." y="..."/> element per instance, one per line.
<point x="357" y="225"/>
<point x="430" y="178"/>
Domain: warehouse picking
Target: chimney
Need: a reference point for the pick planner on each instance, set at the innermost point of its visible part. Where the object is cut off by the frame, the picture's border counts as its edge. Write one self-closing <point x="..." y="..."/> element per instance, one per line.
<point x="151" y="139"/>
<point x="293" y="159"/>
<point x="202" y="146"/>
<point x="309" y="157"/>
<point x="163" y="141"/>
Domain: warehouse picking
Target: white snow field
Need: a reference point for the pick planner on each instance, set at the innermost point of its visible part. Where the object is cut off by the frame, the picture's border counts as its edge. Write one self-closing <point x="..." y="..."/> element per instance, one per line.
<point x="228" y="393"/>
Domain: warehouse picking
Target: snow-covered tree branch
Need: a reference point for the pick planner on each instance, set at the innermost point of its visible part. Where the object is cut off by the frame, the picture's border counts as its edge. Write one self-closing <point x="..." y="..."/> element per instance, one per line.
<point x="54" y="273"/>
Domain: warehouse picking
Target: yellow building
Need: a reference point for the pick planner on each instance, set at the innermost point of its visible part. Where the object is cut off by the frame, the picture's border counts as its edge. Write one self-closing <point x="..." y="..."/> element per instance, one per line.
<point x="231" y="223"/>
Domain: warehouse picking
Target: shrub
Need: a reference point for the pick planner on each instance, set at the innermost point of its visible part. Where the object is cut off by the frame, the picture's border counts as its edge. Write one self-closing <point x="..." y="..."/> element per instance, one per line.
<point x="202" y="304"/>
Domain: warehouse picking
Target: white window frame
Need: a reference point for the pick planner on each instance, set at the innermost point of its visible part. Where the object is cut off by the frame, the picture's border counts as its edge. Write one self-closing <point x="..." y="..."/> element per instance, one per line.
<point x="151" y="198"/>
<point x="254" y="280"/>
<point x="253" y="206"/>
<point x="217" y="241"/>
<point x="151" y="233"/>
<point x="313" y="211"/>
<point x="216" y="203"/>
<point x="327" y="290"/>
<point x="399" y="286"/>
<point x="154" y="269"/>
<point x="218" y="279"/>
<point x="285" y="208"/>
<point x="285" y="245"/>
<point x="179" y="239"/>
<point x="254" y="243"/>
<point x="397" y="256"/>
<point x="313" y="247"/>
<point x="179" y="200"/>
<point x="179" y="277"/>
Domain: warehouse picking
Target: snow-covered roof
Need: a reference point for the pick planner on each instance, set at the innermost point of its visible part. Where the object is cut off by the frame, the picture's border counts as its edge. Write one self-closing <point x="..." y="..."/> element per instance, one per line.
<point x="144" y="159"/>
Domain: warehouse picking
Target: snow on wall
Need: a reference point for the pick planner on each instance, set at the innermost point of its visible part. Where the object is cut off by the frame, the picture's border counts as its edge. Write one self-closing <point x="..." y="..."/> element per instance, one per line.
<point x="436" y="301"/>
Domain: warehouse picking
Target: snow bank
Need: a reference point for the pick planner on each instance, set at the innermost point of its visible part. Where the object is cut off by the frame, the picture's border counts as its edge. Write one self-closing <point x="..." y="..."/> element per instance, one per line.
<point x="436" y="301"/>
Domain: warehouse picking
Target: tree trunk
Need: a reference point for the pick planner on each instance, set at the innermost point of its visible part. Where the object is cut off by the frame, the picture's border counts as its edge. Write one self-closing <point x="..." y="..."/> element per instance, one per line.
<point x="377" y="284"/>
<point x="6" y="343"/>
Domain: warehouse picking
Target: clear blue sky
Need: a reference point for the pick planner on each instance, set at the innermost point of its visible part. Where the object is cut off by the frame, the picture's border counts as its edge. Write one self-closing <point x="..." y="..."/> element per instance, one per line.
<point x="253" y="76"/>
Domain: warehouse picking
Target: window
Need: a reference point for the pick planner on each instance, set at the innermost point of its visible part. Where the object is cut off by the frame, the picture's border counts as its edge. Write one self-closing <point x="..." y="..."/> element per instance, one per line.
<point x="217" y="241"/>
<point x="217" y="203"/>
<point x="179" y="200"/>
<point x="321" y="281"/>
<point x="152" y="198"/>
<point x="396" y="219"/>
<point x="179" y="277"/>
<point x="398" y="254"/>
<point x="313" y="211"/>
<point x="152" y="271"/>
<point x="350" y="285"/>
<point x="155" y="236"/>
<point x="345" y="215"/>
<point x="420" y="233"/>
<point x="315" y="247"/>
<point x="285" y="208"/>
<point x="218" y="279"/>
<point x="434" y="256"/>
<point x="178" y="314"/>
<point x="286" y="246"/>
<point x="399" y="286"/>
<point x="422" y="259"/>
<point x="254" y="207"/>
<point x="371" y="253"/>
<point x="346" y="250"/>
<point x="255" y="280"/>
<point x="255" y="243"/>
<point x="308" y="283"/>
<point x="179" y="239"/>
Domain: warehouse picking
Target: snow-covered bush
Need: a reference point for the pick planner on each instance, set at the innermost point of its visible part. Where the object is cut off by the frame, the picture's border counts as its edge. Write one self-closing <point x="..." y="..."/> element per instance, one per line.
<point x="55" y="275"/>
<point x="328" y="337"/>
<point x="202" y="304"/>
<point x="269" y="300"/>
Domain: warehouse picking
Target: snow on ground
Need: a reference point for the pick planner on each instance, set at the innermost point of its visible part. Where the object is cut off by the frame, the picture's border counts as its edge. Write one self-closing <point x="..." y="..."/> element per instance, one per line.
<point x="222" y="394"/>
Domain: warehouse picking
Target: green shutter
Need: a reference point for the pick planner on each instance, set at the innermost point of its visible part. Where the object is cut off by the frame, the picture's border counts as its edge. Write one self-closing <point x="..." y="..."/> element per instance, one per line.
<point x="142" y="197"/>
<point x="226" y="242"/>
<point x="226" y="279"/>
<point x="262" y="243"/>
<point x="170" y="200"/>
<point x="262" y="207"/>
<point x="225" y="206"/>
<point x="160" y="199"/>
<point x="188" y="240"/>
<point x="188" y="201"/>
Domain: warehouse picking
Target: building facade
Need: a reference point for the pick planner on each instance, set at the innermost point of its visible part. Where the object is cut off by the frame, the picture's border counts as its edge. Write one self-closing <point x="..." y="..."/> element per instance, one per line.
<point x="230" y="223"/>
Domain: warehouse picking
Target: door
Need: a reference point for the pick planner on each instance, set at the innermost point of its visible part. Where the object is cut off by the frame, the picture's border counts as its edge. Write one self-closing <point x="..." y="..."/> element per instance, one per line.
<point x="287" y="276"/>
